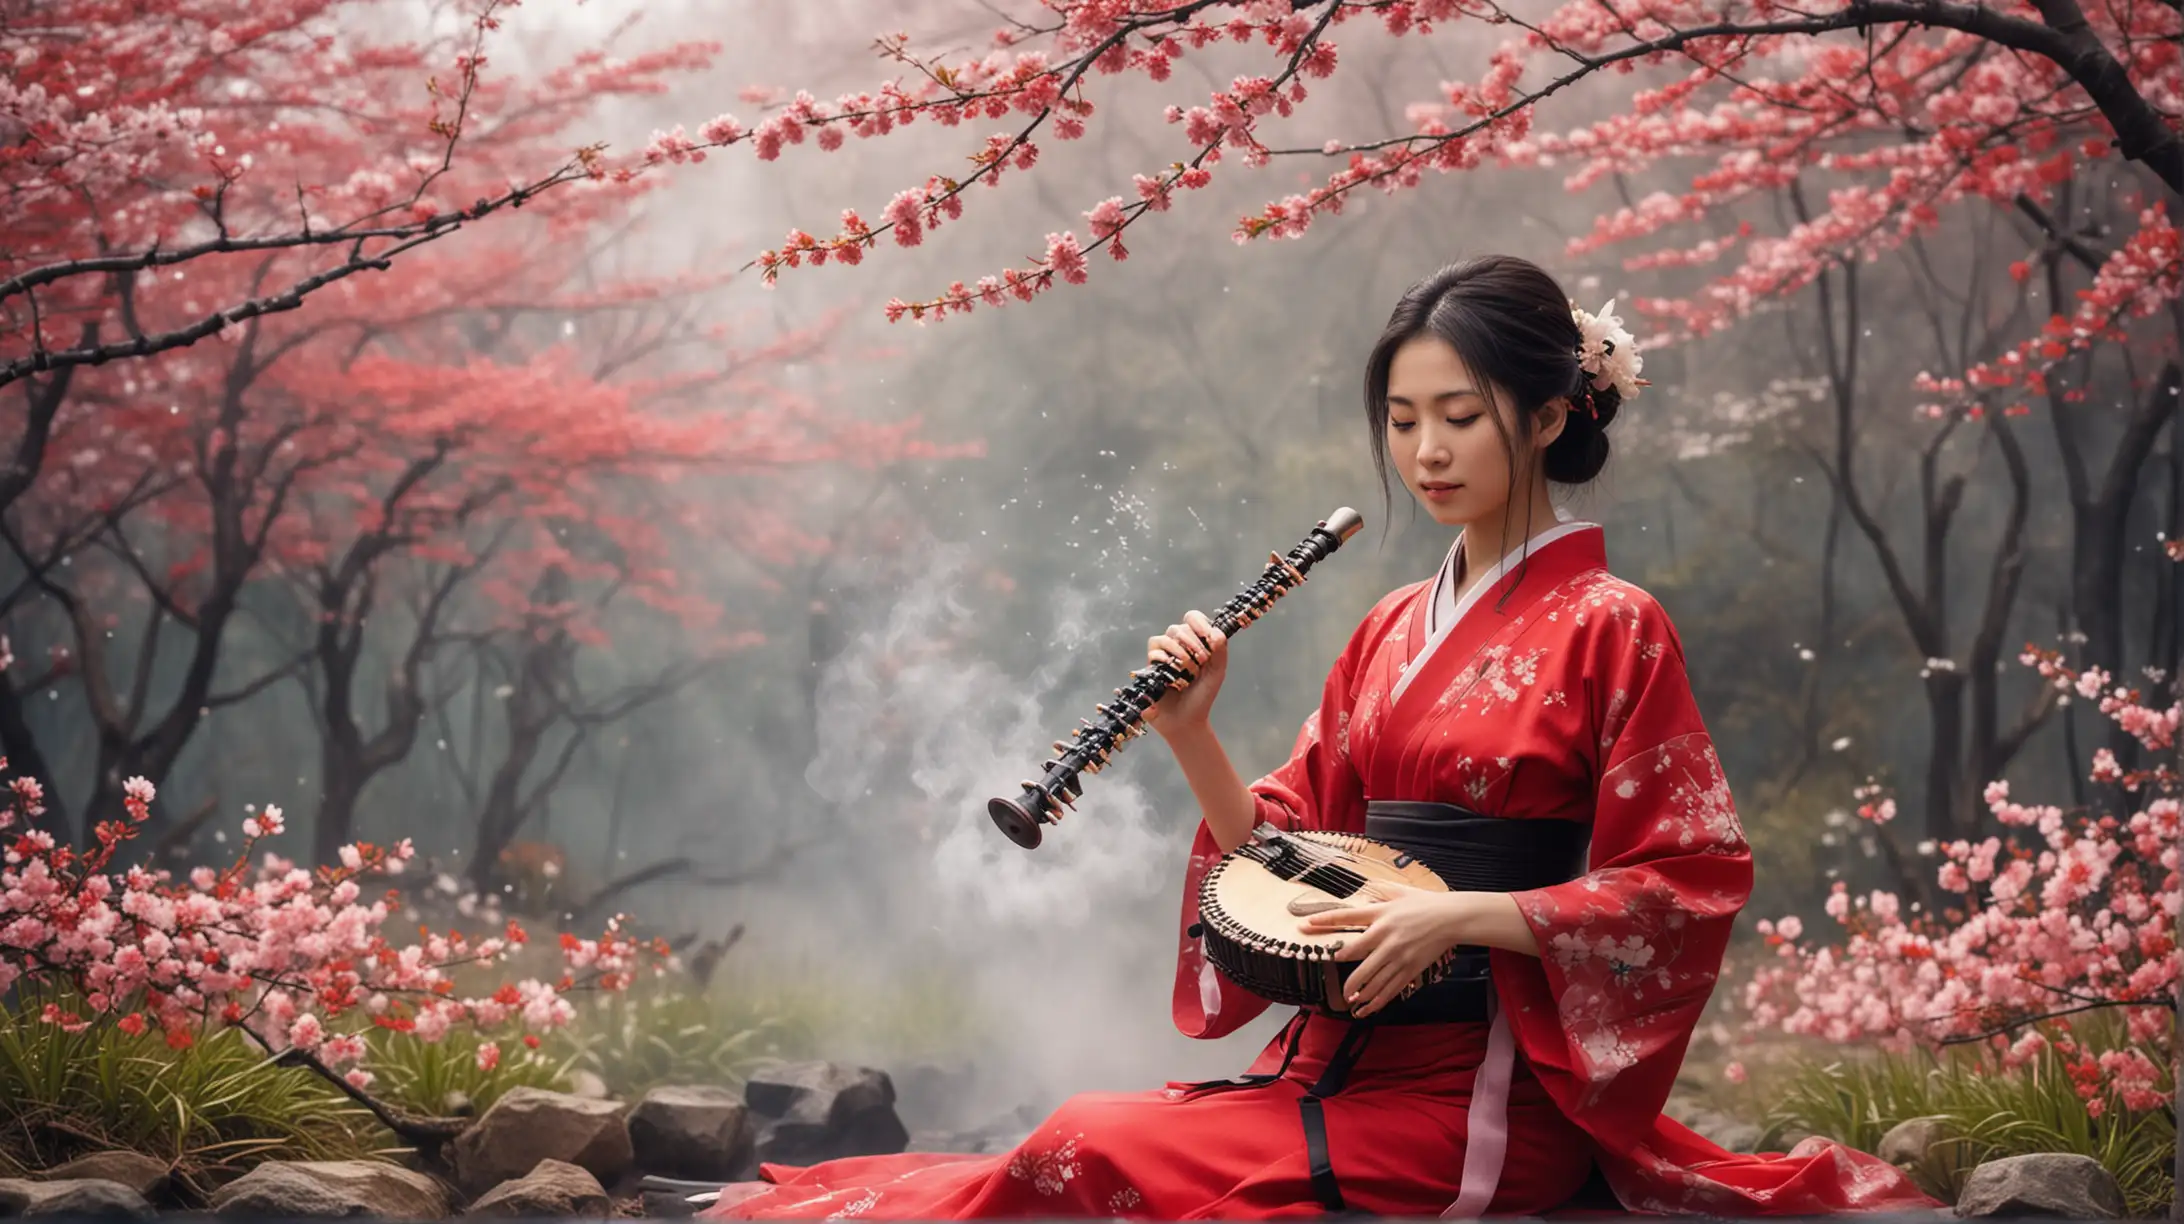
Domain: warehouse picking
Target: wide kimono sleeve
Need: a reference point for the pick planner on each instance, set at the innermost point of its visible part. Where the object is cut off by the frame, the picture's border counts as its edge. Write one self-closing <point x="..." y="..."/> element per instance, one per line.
<point x="1629" y="951"/>
<point x="1317" y="788"/>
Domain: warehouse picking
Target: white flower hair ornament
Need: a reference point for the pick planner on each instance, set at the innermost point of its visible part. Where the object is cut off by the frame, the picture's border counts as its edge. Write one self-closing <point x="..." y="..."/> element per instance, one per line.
<point x="1607" y="352"/>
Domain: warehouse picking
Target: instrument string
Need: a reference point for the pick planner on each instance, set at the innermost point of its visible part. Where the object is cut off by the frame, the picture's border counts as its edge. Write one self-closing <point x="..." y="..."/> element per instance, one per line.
<point x="1327" y="867"/>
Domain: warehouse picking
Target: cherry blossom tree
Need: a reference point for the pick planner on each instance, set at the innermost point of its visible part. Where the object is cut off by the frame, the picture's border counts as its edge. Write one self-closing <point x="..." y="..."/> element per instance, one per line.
<point x="2060" y="916"/>
<point x="144" y="145"/>
<point x="295" y="959"/>
<point x="418" y="441"/>
<point x="185" y="174"/>
<point x="1912" y="105"/>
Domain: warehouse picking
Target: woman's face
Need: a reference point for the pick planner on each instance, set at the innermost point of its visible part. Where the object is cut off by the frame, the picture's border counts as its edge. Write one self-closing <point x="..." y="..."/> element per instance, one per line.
<point x="1442" y="435"/>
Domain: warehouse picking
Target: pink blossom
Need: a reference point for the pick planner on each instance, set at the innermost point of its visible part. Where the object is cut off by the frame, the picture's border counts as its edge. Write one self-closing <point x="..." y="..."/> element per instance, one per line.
<point x="29" y="796"/>
<point x="2074" y="908"/>
<point x="294" y="958"/>
<point x="1065" y="257"/>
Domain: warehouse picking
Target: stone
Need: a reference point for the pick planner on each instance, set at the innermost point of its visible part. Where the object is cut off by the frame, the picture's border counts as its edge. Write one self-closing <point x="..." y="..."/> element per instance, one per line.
<point x="693" y="1131"/>
<point x="551" y="1188"/>
<point x="875" y="1132"/>
<point x="668" y="1196"/>
<point x="2041" y="1184"/>
<point x="1931" y="1150"/>
<point x="332" y="1189"/>
<point x="1908" y="1141"/>
<point x="83" y="1197"/>
<point x="932" y="1096"/>
<point x="144" y="1174"/>
<point x="818" y="1111"/>
<point x="666" y="1205"/>
<point x="821" y="1092"/>
<point x="587" y="1085"/>
<point x="529" y="1125"/>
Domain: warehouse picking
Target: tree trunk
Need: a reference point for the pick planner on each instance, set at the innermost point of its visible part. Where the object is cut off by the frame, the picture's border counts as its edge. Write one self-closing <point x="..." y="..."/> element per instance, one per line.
<point x="25" y="760"/>
<point x="335" y="825"/>
<point x="1945" y="808"/>
<point x="2168" y="644"/>
<point x="2098" y="577"/>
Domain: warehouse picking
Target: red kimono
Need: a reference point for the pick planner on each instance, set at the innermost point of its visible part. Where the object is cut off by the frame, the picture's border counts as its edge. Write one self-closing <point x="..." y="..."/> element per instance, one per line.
<point x="1552" y="689"/>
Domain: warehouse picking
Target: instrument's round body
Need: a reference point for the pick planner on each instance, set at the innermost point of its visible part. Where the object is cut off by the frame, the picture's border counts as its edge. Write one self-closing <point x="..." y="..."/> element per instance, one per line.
<point x="1253" y="901"/>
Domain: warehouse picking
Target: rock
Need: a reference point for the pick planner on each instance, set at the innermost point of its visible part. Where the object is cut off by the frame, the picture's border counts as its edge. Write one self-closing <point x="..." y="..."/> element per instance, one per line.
<point x="1931" y="1150"/>
<point x="793" y="1141"/>
<point x="666" y="1205"/>
<point x="80" y="1196"/>
<point x="932" y="1096"/>
<point x="332" y="1189"/>
<point x="587" y="1085"/>
<point x="669" y="1196"/>
<point x="691" y="1132"/>
<point x="529" y="1125"/>
<point x="1908" y="1141"/>
<point x="551" y="1188"/>
<point x="823" y="1111"/>
<point x="818" y="1091"/>
<point x="456" y="1103"/>
<point x="143" y="1174"/>
<point x="2042" y="1184"/>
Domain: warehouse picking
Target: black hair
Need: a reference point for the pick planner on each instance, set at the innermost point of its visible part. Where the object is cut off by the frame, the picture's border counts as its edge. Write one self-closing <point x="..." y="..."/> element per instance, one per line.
<point x="1511" y="324"/>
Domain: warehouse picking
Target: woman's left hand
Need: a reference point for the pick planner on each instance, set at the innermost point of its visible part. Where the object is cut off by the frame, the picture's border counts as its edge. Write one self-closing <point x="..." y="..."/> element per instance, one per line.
<point x="1404" y="934"/>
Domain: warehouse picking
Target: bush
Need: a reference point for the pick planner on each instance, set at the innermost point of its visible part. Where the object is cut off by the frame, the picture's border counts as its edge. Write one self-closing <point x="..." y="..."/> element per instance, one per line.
<point x="429" y="1077"/>
<point x="638" y="1040"/>
<point x="212" y="1108"/>
<point x="2036" y="1106"/>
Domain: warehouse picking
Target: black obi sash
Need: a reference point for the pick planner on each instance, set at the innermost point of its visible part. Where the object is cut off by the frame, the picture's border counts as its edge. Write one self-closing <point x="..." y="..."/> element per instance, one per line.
<point x="1472" y="853"/>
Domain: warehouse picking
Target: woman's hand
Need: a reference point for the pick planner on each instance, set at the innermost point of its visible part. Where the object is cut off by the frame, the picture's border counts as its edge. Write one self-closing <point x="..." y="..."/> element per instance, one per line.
<point x="1200" y="651"/>
<point x="1405" y="933"/>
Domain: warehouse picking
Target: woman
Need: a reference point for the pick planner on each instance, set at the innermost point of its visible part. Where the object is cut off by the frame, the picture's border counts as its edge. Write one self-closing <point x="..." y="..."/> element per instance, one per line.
<point x="1522" y="682"/>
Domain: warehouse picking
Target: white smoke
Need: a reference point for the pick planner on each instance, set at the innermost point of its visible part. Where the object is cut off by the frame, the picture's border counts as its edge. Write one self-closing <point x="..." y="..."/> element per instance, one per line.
<point x="1068" y="946"/>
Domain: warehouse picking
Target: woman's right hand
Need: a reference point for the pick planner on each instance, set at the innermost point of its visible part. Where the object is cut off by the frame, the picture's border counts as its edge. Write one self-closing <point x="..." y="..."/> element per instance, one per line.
<point x="1199" y="650"/>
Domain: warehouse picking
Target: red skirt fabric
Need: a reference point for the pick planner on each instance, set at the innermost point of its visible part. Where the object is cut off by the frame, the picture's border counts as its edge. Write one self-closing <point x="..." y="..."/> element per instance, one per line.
<point x="1395" y="1131"/>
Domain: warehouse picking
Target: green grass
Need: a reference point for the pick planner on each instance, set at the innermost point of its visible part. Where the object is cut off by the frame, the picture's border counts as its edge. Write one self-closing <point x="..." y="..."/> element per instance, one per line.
<point x="426" y="1077"/>
<point x="1997" y="1113"/>
<point x="637" y="1041"/>
<point x="220" y="1105"/>
<point x="664" y="1031"/>
<point x="213" y="1107"/>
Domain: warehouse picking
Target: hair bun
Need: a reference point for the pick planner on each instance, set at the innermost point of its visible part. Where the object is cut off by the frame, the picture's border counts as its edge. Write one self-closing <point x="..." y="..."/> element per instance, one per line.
<point x="1605" y="404"/>
<point x="1579" y="452"/>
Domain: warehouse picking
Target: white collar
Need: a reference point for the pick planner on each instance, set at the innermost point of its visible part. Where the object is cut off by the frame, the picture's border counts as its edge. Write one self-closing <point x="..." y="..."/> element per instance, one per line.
<point x="1444" y="609"/>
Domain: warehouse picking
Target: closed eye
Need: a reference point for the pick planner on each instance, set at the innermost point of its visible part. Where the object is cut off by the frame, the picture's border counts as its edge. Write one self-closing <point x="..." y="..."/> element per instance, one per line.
<point x="1465" y="420"/>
